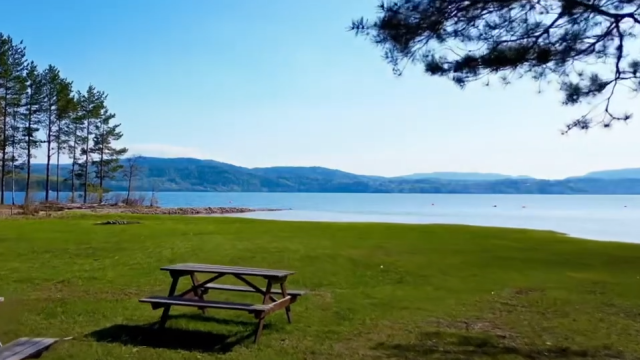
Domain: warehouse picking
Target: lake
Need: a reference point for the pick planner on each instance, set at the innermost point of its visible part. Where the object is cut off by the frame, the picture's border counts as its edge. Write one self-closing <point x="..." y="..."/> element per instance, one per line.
<point x="594" y="217"/>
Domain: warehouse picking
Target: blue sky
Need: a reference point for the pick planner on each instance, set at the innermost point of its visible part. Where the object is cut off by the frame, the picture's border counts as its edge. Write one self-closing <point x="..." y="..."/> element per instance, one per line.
<point x="263" y="83"/>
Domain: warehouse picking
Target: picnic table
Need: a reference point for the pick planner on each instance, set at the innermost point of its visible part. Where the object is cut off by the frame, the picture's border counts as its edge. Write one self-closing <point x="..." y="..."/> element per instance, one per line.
<point x="194" y="296"/>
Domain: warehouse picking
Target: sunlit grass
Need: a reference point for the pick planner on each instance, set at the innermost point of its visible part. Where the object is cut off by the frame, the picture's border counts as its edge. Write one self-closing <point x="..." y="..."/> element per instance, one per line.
<point x="377" y="290"/>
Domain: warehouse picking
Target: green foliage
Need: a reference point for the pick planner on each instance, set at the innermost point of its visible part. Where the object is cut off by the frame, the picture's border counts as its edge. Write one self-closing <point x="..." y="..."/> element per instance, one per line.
<point x="584" y="45"/>
<point x="376" y="291"/>
<point x="106" y="161"/>
<point x="39" y="108"/>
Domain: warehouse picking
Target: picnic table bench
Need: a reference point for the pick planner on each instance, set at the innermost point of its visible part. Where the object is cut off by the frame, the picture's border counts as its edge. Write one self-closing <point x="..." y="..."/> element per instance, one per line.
<point x="195" y="295"/>
<point x="25" y="348"/>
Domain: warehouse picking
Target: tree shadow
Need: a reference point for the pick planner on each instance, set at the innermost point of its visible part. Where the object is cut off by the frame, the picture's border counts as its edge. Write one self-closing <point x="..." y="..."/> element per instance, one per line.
<point x="451" y="345"/>
<point x="176" y="338"/>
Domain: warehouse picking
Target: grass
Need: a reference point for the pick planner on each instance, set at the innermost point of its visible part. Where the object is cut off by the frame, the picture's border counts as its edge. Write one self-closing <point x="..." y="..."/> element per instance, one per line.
<point x="378" y="291"/>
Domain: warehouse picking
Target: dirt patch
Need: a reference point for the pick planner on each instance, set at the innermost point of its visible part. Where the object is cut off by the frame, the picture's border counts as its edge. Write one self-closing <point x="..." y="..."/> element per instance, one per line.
<point x="526" y="291"/>
<point x="471" y="325"/>
<point x="323" y="296"/>
<point x="477" y="345"/>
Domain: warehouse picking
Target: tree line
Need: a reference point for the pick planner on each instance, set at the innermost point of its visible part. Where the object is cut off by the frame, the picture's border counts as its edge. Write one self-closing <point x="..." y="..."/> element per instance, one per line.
<point x="39" y="108"/>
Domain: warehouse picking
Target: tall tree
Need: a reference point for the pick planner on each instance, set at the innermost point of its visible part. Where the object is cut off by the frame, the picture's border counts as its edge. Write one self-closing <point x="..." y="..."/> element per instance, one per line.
<point x="75" y="136"/>
<point x="12" y="64"/>
<point x="561" y="40"/>
<point x="106" y="162"/>
<point x="32" y="119"/>
<point x="16" y="152"/>
<point x="51" y="84"/>
<point x="66" y="111"/>
<point x="91" y="107"/>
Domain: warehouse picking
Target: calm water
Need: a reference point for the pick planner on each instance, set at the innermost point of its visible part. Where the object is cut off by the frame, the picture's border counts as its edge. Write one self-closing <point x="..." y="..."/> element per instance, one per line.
<point x="593" y="217"/>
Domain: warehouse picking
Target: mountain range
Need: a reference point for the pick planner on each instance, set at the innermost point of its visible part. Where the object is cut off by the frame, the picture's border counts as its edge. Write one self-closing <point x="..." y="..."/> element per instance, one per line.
<point x="189" y="174"/>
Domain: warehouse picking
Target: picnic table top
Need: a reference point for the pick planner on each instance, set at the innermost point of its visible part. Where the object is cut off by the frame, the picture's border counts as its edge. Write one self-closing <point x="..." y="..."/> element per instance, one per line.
<point x="230" y="270"/>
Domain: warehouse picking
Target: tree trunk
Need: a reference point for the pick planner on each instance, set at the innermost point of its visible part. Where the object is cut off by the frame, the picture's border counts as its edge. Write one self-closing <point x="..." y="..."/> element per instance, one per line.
<point x="13" y="185"/>
<point x="47" y="171"/>
<point x="73" y="180"/>
<point x="58" y="175"/>
<point x="29" y="145"/>
<point x="73" y="164"/>
<point x="47" y="174"/>
<point x="86" y="163"/>
<point x="101" y="162"/>
<point x="3" y="148"/>
<point x="58" y="151"/>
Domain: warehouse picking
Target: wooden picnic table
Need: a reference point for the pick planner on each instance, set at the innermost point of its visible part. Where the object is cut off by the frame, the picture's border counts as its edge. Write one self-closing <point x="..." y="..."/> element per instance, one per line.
<point x="195" y="295"/>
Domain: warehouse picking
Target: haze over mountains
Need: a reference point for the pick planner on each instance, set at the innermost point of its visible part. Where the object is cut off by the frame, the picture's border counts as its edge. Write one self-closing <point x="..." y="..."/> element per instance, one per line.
<point x="463" y="176"/>
<point x="189" y="174"/>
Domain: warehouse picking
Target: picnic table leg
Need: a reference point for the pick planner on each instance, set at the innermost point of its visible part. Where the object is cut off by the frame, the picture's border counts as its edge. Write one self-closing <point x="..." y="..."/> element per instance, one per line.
<point x="283" y="288"/>
<point x="199" y="293"/>
<point x="172" y="291"/>
<point x="265" y="301"/>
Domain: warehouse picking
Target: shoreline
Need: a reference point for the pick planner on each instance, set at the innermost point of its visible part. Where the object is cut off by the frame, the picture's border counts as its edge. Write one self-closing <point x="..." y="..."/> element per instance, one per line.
<point x="209" y="210"/>
<point x="54" y="208"/>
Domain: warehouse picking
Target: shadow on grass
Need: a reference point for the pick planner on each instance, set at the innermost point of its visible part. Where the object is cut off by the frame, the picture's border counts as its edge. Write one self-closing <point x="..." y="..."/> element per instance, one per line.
<point x="175" y="338"/>
<point x="450" y="345"/>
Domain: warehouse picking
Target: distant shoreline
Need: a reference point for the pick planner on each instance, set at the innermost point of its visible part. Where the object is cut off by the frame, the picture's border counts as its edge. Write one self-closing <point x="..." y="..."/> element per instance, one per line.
<point x="7" y="199"/>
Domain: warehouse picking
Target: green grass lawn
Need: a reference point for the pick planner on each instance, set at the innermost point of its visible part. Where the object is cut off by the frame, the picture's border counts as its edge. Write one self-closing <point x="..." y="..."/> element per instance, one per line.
<point x="377" y="291"/>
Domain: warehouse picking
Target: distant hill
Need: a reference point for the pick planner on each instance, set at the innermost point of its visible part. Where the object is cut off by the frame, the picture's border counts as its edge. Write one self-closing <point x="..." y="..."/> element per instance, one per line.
<point x="310" y="172"/>
<point x="614" y="174"/>
<point x="462" y="176"/>
<point x="188" y="174"/>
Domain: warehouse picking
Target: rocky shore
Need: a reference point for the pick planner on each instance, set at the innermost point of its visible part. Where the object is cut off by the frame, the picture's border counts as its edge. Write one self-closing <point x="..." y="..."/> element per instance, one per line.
<point x="192" y="210"/>
<point x="42" y="209"/>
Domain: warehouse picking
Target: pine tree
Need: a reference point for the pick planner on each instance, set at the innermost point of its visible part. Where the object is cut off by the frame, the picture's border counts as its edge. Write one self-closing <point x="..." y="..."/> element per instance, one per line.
<point x="12" y="64"/>
<point x="66" y="110"/>
<point x="74" y="136"/>
<point x="50" y="82"/>
<point x="585" y="48"/>
<point x="31" y="119"/>
<point x="90" y="110"/>
<point x="107" y="157"/>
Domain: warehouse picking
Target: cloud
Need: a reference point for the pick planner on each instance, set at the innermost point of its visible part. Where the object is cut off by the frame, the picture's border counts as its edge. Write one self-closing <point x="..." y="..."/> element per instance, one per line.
<point x="163" y="150"/>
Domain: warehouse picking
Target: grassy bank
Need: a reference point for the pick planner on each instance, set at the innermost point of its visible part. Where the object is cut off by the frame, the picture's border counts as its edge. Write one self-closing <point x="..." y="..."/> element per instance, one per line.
<point x="378" y="291"/>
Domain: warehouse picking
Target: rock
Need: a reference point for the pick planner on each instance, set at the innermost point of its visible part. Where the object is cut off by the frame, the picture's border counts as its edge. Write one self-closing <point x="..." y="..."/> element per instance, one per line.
<point x="118" y="222"/>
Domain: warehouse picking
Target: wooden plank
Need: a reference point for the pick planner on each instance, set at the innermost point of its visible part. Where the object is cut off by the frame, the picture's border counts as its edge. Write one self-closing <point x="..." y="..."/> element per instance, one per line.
<point x="285" y="294"/>
<point x="25" y="348"/>
<point x="177" y="301"/>
<point x="246" y="289"/>
<point x="256" y="288"/>
<point x="202" y="284"/>
<point x="197" y="291"/>
<point x="278" y="305"/>
<point x="222" y="269"/>
<point x="261" y="317"/>
<point x="165" y="312"/>
<point x="228" y="270"/>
